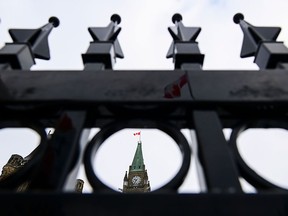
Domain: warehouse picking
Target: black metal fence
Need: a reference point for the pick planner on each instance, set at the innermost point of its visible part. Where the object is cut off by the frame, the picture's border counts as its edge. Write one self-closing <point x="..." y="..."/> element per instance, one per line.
<point x="187" y="97"/>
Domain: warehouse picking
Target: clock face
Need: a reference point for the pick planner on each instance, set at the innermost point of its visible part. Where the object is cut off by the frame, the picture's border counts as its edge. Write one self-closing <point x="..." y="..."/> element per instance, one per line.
<point x="136" y="180"/>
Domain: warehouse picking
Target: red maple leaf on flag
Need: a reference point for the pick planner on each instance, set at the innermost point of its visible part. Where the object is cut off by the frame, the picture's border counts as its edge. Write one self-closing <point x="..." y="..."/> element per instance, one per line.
<point x="138" y="133"/>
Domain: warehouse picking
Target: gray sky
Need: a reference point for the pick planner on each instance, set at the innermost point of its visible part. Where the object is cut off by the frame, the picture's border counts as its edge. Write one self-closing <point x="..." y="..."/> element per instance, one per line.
<point x="145" y="41"/>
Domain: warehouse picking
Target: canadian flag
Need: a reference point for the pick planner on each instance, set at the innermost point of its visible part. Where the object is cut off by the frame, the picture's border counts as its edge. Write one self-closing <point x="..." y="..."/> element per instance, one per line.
<point x="173" y="90"/>
<point x="137" y="134"/>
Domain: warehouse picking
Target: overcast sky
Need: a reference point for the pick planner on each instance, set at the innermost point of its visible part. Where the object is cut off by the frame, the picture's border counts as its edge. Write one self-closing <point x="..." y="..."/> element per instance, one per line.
<point x="145" y="41"/>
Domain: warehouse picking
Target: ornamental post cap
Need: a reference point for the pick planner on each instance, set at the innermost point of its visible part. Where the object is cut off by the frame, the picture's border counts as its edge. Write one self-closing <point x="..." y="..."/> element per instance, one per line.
<point x="181" y="33"/>
<point x="254" y="35"/>
<point x="37" y="39"/>
<point x="108" y="34"/>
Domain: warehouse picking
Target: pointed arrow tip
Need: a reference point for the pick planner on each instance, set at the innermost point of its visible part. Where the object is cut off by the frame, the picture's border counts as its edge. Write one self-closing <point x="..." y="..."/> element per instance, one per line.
<point x="173" y="32"/>
<point x="170" y="51"/>
<point x="118" y="50"/>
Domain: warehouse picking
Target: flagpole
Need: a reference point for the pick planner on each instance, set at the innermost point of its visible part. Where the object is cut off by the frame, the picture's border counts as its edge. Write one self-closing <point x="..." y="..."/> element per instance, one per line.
<point x="140" y="137"/>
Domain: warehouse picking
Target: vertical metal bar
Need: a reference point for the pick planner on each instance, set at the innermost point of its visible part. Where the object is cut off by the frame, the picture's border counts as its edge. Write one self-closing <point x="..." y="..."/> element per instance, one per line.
<point x="61" y="153"/>
<point x="97" y="58"/>
<point x="219" y="167"/>
<point x="199" y="168"/>
<point x="94" y="66"/>
<point x="72" y="178"/>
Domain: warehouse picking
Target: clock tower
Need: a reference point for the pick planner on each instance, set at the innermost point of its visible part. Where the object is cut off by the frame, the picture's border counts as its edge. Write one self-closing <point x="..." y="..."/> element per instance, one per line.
<point x="136" y="181"/>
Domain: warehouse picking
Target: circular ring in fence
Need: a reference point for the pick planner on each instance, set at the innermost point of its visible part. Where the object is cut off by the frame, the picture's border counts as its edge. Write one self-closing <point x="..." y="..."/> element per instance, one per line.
<point x="259" y="182"/>
<point x="109" y="130"/>
<point x="29" y="162"/>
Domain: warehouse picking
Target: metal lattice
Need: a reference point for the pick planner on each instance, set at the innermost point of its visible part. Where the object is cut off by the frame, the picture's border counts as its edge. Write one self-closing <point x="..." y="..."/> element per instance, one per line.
<point x="204" y="101"/>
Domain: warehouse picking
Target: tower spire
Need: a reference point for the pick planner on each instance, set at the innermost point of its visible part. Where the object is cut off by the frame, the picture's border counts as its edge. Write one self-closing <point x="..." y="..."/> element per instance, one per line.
<point x="137" y="178"/>
<point x="138" y="161"/>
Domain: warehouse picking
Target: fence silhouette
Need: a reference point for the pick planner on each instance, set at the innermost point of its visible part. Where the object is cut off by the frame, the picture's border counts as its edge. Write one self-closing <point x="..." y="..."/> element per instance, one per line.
<point x="204" y="101"/>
